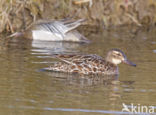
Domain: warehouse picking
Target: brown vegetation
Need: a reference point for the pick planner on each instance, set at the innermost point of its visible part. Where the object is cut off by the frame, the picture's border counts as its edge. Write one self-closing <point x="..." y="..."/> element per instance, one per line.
<point x="17" y="15"/>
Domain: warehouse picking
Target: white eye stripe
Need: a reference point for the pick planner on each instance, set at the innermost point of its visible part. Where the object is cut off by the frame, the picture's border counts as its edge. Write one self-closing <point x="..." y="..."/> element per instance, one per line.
<point x="117" y="52"/>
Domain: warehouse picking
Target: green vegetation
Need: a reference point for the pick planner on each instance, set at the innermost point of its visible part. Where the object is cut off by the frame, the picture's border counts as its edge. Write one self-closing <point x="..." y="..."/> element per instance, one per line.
<point x="17" y="15"/>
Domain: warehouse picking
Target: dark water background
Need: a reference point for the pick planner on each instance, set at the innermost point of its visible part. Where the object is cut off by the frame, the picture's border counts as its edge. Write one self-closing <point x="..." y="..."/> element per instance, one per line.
<point x="25" y="90"/>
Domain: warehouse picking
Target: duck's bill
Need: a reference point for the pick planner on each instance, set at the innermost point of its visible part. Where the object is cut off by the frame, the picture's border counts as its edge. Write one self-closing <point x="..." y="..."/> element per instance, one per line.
<point x="129" y="63"/>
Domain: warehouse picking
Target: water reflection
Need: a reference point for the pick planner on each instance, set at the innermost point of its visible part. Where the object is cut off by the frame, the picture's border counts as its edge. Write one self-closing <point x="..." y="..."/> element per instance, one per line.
<point x="55" y="47"/>
<point x="84" y="80"/>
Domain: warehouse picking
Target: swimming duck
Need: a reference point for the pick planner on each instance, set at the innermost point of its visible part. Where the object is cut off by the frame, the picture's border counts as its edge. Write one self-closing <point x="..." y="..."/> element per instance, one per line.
<point x="56" y="30"/>
<point x="90" y="64"/>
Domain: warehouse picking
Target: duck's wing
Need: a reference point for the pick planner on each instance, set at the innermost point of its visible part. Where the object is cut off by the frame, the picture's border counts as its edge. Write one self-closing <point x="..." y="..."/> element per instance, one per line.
<point x="75" y="59"/>
<point x="61" y="27"/>
<point x="71" y="25"/>
<point x="54" y="27"/>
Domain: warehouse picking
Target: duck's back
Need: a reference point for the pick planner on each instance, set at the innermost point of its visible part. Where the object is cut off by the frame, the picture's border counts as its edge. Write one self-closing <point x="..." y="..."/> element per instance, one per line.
<point x="84" y="64"/>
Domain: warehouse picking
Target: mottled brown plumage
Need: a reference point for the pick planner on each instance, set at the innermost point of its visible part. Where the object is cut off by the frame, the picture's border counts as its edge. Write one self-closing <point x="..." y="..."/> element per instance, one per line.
<point x="90" y="64"/>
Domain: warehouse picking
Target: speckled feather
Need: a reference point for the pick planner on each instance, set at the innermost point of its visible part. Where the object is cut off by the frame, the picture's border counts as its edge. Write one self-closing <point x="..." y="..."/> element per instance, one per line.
<point x="83" y="64"/>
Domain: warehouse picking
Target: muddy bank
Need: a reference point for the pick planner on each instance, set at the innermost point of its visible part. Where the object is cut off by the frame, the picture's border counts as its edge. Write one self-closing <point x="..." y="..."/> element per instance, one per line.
<point x="16" y="15"/>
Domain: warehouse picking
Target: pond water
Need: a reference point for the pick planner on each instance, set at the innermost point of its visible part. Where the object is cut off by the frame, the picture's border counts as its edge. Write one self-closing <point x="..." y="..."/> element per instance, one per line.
<point x="26" y="90"/>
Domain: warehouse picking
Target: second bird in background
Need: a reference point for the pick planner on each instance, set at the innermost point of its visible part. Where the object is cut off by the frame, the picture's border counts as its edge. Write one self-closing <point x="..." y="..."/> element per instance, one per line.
<point x="55" y="30"/>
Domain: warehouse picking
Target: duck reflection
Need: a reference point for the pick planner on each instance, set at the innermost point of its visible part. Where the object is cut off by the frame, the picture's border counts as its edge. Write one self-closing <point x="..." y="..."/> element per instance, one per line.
<point x="60" y="47"/>
<point x="84" y="80"/>
<point x="110" y="85"/>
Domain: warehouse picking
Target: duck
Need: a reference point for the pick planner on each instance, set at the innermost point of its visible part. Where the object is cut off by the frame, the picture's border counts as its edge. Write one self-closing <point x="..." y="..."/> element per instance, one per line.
<point x="90" y="63"/>
<point x="55" y="30"/>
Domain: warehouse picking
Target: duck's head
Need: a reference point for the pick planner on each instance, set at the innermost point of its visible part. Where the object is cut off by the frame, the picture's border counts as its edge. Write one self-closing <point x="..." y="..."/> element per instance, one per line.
<point x="116" y="56"/>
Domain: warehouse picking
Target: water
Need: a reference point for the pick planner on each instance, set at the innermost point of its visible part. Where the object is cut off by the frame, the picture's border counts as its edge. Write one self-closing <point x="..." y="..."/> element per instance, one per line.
<point x="26" y="90"/>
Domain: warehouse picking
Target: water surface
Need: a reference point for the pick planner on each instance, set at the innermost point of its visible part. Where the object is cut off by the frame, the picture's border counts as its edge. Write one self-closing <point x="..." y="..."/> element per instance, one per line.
<point x="25" y="90"/>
